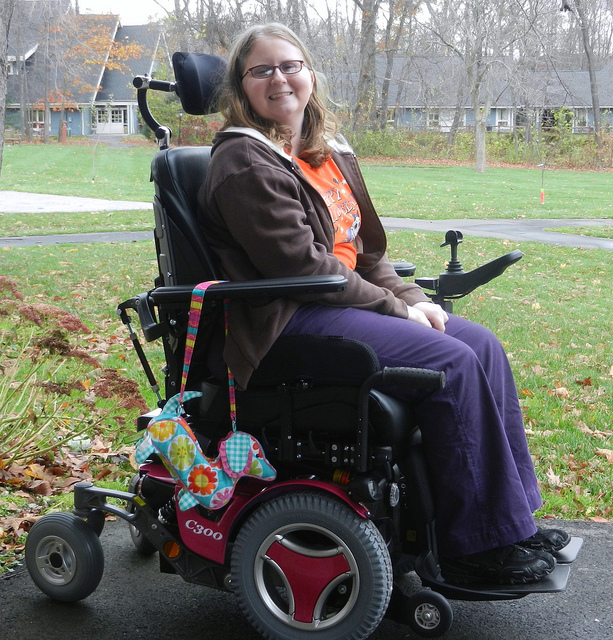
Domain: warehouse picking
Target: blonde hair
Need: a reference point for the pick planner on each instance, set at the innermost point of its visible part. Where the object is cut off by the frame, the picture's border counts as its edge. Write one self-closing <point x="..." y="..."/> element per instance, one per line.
<point x="319" y="123"/>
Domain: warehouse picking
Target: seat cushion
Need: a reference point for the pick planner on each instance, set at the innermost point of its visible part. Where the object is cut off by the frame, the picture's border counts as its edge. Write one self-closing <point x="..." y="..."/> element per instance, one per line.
<point x="323" y="360"/>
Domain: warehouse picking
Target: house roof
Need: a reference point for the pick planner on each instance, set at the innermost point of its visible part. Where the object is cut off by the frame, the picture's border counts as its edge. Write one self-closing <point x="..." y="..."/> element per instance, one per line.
<point x="420" y="82"/>
<point x="116" y="84"/>
<point x="82" y="68"/>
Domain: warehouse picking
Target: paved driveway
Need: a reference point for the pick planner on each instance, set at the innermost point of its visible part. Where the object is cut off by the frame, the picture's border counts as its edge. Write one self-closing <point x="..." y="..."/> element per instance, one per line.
<point x="134" y="601"/>
<point x="518" y="230"/>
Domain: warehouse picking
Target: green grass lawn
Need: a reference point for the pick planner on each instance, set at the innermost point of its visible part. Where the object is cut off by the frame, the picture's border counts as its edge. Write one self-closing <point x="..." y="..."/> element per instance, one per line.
<point x="415" y="191"/>
<point x="82" y="170"/>
<point x="34" y="224"/>
<point x="551" y="310"/>
<point x="439" y="192"/>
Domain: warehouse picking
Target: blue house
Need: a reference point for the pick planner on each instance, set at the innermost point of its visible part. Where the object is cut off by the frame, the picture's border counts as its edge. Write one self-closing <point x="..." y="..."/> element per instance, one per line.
<point x="427" y="93"/>
<point x="91" y="93"/>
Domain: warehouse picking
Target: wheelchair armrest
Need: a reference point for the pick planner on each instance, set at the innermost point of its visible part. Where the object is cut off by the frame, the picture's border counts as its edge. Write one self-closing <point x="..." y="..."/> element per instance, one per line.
<point x="451" y="285"/>
<point x="425" y="379"/>
<point x="272" y="287"/>
<point x="404" y="269"/>
<point x="145" y="303"/>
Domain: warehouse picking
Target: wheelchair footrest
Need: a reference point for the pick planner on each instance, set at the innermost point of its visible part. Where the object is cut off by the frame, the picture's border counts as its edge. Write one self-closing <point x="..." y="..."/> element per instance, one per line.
<point x="428" y="571"/>
<point x="570" y="552"/>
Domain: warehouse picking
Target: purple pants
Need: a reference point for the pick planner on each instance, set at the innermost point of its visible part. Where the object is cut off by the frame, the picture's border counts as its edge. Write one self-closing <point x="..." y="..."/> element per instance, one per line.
<point x="484" y="485"/>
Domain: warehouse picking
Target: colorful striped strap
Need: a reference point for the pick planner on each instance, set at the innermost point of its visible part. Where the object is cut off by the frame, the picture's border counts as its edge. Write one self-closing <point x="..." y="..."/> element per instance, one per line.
<point x="195" y="311"/>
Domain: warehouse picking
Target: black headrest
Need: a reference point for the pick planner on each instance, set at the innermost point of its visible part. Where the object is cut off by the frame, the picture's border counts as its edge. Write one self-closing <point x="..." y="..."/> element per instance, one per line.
<point x="198" y="77"/>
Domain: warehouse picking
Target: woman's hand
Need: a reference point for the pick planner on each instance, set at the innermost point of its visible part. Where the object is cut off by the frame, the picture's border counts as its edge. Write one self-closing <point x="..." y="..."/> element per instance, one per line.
<point x="428" y="314"/>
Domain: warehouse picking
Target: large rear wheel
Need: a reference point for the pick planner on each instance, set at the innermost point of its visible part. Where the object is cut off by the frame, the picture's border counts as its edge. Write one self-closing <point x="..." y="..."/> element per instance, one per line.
<point x="306" y="566"/>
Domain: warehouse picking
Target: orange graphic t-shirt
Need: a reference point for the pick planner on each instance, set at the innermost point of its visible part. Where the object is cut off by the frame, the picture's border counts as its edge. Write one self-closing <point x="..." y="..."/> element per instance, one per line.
<point x="344" y="210"/>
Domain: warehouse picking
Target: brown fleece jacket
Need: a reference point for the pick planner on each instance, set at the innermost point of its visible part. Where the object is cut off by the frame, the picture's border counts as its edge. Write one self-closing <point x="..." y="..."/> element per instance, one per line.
<point x="264" y="220"/>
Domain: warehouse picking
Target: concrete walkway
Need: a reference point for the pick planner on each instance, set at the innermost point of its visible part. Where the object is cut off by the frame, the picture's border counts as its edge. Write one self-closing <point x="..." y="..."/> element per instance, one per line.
<point x="18" y="202"/>
<point x="517" y="230"/>
<point x="135" y="601"/>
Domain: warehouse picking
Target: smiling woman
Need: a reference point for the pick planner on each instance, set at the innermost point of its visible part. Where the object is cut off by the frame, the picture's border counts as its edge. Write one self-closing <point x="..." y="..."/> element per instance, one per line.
<point x="278" y="85"/>
<point x="279" y="183"/>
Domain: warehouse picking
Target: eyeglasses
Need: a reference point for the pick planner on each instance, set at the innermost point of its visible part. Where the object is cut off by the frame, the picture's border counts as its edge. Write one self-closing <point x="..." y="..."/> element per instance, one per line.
<point x="263" y="71"/>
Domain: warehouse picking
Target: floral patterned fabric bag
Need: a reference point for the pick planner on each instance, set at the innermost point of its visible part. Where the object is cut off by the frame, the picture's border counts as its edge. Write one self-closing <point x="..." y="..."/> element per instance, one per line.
<point x="209" y="482"/>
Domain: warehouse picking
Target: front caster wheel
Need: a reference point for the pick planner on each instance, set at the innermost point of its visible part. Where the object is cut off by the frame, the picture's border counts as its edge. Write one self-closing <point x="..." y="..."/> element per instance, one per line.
<point x="64" y="557"/>
<point x="429" y="614"/>
<point x="307" y="567"/>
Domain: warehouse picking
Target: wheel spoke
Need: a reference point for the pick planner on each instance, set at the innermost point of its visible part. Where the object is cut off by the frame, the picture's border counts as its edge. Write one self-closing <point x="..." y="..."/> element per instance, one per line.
<point x="307" y="576"/>
<point x="55" y="560"/>
<point x="427" y="616"/>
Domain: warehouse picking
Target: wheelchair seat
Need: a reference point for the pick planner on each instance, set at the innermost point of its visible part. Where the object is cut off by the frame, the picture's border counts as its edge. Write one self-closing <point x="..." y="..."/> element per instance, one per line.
<point x="311" y="383"/>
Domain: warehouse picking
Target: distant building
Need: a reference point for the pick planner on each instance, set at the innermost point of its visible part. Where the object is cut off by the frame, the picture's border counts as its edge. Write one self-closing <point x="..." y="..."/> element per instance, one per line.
<point x="432" y="94"/>
<point x="89" y="88"/>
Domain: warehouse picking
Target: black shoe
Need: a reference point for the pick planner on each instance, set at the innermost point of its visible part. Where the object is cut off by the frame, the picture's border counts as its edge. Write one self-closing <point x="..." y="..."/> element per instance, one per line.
<point x="550" y="540"/>
<point x="511" y="564"/>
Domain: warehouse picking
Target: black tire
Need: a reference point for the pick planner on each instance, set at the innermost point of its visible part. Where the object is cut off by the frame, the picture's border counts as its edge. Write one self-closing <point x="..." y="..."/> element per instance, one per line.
<point x="64" y="557"/>
<point x="140" y="541"/>
<point x="429" y="614"/>
<point x="339" y="560"/>
<point x="96" y="521"/>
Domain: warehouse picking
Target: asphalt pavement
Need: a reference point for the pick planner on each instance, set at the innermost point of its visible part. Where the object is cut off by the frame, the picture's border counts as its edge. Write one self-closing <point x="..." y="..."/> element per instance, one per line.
<point x="134" y="601"/>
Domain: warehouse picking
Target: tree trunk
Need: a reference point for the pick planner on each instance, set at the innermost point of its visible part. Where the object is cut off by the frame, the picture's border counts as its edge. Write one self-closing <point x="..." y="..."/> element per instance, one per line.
<point x="391" y="49"/>
<point x="481" y="108"/>
<point x="480" y="127"/>
<point x="591" y="66"/>
<point x="26" y="129"/>
<point x="365" y="109"/>
<point x="6" y="13"/>
<point x="457" y="114"/>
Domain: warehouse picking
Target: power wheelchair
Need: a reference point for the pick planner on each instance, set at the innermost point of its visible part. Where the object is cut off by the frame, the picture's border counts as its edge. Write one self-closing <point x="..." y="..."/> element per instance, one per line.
<point x="316" y="553"/>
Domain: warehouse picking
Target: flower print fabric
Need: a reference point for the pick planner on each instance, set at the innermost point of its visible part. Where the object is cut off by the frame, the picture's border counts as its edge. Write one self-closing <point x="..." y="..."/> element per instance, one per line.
<point x="207" y="481"/>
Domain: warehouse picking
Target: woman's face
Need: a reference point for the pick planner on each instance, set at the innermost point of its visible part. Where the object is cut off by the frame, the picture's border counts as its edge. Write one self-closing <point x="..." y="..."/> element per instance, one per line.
<point x="280" y="98"/>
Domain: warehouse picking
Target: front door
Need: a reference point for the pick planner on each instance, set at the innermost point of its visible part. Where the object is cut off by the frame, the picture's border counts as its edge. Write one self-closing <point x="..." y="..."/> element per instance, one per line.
<point x="111" y="120"/>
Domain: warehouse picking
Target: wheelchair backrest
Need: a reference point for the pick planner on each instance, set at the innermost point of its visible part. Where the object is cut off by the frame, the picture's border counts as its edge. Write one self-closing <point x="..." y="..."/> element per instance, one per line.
<point x="184" y="256"/>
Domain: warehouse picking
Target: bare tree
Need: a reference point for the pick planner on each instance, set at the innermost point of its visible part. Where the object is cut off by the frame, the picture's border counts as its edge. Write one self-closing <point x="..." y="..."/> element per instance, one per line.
<point x="577" y="7"/>
<point x="365" y="108"/>
<point x="6" y="15"/>
<point x="481" y="33"/>
<point x="399" y="12"/>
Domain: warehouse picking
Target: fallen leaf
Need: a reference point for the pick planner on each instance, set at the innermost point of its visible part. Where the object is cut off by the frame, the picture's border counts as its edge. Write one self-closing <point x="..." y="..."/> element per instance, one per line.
<point x="605" y="453"/>
<point x="554" y="480"/>
<point x="40" y="488"/>
<point x="102" y="474"/>
<point x="561" y="392"/>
